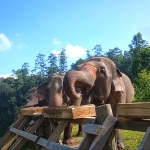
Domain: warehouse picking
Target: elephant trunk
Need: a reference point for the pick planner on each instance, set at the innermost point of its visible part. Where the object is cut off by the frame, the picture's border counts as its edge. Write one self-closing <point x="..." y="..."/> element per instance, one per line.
<point x="85" y="77"/>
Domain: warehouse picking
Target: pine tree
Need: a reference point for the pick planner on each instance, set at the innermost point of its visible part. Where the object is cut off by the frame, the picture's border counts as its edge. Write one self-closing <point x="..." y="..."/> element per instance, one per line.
<point x="52" y="60"/>
<point x="62" y="61"/>
<point x="97" y="50"/>
<point x="40" y="65"/>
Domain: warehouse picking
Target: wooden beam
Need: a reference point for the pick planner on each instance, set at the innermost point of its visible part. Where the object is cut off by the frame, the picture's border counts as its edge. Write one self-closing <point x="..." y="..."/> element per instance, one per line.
<point x="134" y="110"/>
<point x="43" y="142"/>
<point x="145" y="144"/>
<point x="103" y="112"/>
<point x="72" y="112"/>
<point x="103" y="135"/>
<point x="52" y="145"/>
<point x="31" y="110"/>
<point x="58" y="130"/>
<point x="9" y="137"/>
<point x="21" y="140"/>
<point x="92" y="129"/>
<point x="140" y="125"/>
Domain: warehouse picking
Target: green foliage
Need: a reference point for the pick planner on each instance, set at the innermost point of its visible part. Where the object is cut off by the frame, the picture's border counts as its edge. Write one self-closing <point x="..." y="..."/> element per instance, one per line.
<point x="52" y="60"/>
<point x="97" y="50"/>
<point x="78" y="62"/>
<point x="40" y="65"/>
<point x="62" y="61"/>
<point x="142" y="87"/>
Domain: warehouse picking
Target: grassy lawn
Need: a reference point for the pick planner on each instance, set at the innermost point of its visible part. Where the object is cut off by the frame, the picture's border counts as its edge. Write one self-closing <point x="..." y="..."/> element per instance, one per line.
<point x="131" y="139"/>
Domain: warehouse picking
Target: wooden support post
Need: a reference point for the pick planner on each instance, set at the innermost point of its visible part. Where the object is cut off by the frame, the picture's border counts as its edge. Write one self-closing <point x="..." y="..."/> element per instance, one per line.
<point x="102" y="113"/>
<point x="104" y="133"/>
<point x="56" y="134"/>
<point x="9" y="137"/>
<point x="21" y="140"/>
<point x="145" y="144"/>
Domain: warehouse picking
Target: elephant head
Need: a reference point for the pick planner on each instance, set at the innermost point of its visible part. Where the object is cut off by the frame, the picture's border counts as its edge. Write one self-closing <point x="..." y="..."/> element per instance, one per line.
<point x="98" y="76"/>
<point x="52" y="90"/>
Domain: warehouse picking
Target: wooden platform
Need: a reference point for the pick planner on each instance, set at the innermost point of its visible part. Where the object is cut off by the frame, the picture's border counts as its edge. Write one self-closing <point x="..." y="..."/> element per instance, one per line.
<point x="72" y="112"/>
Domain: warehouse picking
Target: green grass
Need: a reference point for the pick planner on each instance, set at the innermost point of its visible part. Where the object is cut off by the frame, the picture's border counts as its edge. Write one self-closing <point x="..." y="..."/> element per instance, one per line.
<point x="131" y="139"/>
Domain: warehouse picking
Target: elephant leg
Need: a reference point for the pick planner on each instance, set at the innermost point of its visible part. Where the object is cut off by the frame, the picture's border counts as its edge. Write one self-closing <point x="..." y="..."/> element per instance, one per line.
<point x="80" y="129"/>
<point x="118" y="139"/>
<point x="67" y="139"/>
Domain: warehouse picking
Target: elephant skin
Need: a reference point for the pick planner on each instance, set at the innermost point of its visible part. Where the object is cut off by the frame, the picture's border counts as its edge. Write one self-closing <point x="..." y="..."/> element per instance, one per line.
<point x="103" y="82"/>
<point x="52" y="92"/>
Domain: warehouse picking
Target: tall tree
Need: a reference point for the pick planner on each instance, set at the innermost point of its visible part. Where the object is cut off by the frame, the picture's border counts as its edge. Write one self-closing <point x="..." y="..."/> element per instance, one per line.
<point x="88" y="53"/>
<point x="97" y="50"/>
<point x="62" y="61"/>
<point x="52" y="61"/>
<point x="40" y="65"/>
<point x="140" y="54"/>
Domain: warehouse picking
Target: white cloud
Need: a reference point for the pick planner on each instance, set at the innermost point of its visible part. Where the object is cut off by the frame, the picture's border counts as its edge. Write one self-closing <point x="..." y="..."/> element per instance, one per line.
<point x="5" y="43"/>
<point x="75" y="52"/>
<point x="56" y="41"/>
<point x="56" y="52"/>
<point x="7" y="75"/>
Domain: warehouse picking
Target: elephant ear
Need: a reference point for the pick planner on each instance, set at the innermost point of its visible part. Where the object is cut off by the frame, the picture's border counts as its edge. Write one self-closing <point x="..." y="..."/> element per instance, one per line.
<point x="117" y="83"/>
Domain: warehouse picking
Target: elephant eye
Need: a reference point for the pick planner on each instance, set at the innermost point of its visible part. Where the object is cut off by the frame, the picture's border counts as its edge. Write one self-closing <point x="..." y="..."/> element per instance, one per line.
<point x="103" y="71"/>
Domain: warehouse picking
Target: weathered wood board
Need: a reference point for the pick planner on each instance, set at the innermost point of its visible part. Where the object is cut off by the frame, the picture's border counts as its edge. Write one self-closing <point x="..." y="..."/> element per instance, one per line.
<point x="32" y="110"/>
<point x="73" y="112"/>
<point x="134" y="110"/>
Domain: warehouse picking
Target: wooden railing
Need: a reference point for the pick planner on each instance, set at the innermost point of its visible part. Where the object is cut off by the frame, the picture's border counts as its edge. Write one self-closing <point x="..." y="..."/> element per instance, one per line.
<point x="98" y="129"/>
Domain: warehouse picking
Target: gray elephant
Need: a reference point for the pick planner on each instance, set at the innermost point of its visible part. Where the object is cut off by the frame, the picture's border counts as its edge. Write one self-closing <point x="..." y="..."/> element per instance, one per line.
<point x="103" y="82"/>
<point x="52" y="92"/>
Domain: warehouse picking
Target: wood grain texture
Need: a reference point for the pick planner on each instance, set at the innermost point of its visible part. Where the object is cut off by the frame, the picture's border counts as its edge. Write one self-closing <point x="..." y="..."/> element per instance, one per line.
<point x="134" y="110"/>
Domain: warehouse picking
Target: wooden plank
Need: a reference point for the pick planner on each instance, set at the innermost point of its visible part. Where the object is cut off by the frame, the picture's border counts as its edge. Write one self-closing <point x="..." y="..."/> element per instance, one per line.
<point x="25" y="134"/>
<point x="92" y="129"/>
<point x="134" y="110"/>
<point x="102" y="112"/>
<point x="87" y="140"/>
<point x="145" y="144"/>
<point x="10" y="136"/>
<point x="31" y="110"/>
<point x="43" y="142"/>
<point x="21" y="140"/>
<point x="52" y="145"/>
<point x="82" y="120"/>
<point x="104" y="133"/>
<point x="73" y="112"/>
<point x="58" y="130"/>
<point x="140" y="125"/>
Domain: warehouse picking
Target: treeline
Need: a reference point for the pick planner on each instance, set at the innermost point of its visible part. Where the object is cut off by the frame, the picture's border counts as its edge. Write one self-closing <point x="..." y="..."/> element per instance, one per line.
<point x="134" y="62"/>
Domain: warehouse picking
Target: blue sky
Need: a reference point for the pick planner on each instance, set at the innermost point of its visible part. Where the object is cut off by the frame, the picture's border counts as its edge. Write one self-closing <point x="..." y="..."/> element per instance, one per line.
<point x="30" y="27"/>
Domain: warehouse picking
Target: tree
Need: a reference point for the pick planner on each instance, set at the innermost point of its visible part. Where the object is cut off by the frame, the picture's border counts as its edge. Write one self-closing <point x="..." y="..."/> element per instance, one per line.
<point x="140" y="54"/>
<point x="142" y="87"/>
<point x="52" y="60"/>
<point x="97" y="50"/>
<point x="62" y="62"/>
<point x="78" y="62"/>
<point x="88" y="53"/>
<point x="40" y="65"/>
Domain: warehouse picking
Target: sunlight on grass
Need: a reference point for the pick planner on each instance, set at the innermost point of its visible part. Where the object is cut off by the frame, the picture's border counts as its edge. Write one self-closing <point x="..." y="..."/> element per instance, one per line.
<point x="131" y="139"/>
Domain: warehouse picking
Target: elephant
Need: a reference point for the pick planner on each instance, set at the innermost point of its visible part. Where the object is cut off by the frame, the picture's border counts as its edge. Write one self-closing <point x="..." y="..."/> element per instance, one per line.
<point x="52" y="92"/>
<point x="103" y="82"/>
